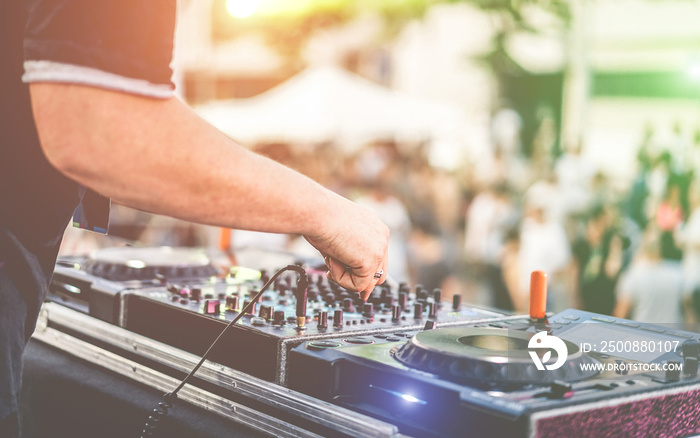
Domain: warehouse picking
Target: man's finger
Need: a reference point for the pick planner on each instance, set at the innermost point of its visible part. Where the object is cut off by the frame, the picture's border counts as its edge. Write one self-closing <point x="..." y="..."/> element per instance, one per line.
<point x="344" y="276"/>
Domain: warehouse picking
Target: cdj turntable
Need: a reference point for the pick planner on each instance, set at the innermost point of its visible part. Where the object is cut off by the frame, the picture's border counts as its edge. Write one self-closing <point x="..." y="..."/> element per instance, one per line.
<point x="176" y="296"/>
<point x="611" y="378"/>
<point x="95" y="284"/>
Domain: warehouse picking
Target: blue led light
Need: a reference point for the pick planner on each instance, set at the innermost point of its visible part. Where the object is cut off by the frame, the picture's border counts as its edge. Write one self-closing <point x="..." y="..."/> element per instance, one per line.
<point x="407" y="397"/>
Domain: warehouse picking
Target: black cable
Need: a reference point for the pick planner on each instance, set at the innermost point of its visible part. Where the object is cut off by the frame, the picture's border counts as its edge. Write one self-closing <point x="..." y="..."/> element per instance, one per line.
<point x="169" y="398"/>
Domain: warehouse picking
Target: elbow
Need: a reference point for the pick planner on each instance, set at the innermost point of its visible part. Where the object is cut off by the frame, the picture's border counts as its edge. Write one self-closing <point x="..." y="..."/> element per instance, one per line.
<point x="60" y="134"/>
<point x="59" y="158"/>
<point x="60" y="152"/>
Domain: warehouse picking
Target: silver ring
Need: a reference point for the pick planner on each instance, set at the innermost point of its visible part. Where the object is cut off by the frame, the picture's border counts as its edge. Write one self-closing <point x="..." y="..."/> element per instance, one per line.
<point x="379" y="273"/>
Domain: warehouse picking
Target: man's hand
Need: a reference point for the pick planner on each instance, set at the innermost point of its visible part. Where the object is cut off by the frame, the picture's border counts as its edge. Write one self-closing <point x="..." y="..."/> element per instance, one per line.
<point x="354" y="246"/>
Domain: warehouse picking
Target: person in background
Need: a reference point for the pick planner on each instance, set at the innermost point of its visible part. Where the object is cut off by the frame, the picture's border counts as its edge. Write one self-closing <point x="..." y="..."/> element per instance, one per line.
<point x="689" y="239"/>
<point x="491" y="214"/>
<point x="658" y="179"/>
<point x="544" y="246"/>
<point x="638" y="193"/>
<point x="574" y="175"/>
<point x="598" y="260"/>
<point x="653" y="289"/>
<point x="488" y="213"/>
<point x="432" y="257"/>
<point x="508" y="294"/>
<point x="670" y="216"/>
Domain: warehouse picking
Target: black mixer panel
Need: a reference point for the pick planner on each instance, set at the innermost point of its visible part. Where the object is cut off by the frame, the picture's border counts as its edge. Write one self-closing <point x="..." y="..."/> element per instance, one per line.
<point x="174" y="295"/>
<point x="191" y="316"/>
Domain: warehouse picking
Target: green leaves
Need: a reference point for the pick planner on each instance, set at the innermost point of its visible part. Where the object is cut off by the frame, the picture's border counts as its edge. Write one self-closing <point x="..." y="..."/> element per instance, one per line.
<point x="288" y="24"/>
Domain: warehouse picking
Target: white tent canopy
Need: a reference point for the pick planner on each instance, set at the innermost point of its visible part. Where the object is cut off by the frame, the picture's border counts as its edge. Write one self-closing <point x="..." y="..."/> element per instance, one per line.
<point x="330" y="104"/>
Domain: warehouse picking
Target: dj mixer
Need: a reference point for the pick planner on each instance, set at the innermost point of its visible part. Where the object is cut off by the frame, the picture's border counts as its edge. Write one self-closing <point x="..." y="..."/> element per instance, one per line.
<point x="406" y="357"/>
<point x="175" y="296"/>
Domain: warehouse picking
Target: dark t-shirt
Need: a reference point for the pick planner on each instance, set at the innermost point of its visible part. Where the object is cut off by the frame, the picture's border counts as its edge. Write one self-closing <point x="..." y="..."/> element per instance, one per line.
<point x="597" y="290"/>
<point x="123" y="45"/>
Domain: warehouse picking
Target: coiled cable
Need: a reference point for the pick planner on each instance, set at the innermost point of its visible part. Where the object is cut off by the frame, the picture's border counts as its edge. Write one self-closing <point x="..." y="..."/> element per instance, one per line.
<point x="169" y="398"/>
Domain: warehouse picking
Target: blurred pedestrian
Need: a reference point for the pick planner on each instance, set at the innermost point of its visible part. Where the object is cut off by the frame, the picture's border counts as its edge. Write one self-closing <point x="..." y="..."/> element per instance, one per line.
<point x="653" y="289"/>
<point x="544" y="246"/>
<point x="598" y="257"/>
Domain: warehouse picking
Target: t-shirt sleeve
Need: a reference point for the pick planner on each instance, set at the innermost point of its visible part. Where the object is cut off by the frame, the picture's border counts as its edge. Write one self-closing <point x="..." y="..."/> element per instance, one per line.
<point x="123" y="45"/>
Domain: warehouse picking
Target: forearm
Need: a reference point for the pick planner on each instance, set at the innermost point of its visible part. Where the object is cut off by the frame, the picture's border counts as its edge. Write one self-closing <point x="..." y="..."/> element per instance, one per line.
<point x="622" y="308"/>
<point x="157" y="155"/>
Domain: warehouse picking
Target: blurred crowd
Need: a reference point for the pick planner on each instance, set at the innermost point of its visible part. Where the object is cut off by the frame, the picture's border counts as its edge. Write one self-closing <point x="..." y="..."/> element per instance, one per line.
<point x="624" y="248"/>
<point x="610" y="246"/>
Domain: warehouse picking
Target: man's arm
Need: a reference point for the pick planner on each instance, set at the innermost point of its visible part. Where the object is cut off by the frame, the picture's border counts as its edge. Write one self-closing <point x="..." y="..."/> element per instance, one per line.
<point x="624" y="291"/>
<point x="622" y="307"/>
<point x="159" y="156"/>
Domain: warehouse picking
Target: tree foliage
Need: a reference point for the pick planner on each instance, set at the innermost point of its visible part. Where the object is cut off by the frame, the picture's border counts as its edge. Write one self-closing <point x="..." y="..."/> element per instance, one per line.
<point x="290" y="29"/>
<point x="509" y="18"/>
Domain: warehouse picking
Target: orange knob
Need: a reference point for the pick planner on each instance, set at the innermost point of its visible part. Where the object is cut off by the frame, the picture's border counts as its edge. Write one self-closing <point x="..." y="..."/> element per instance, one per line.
<point x="538" y="294"/>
